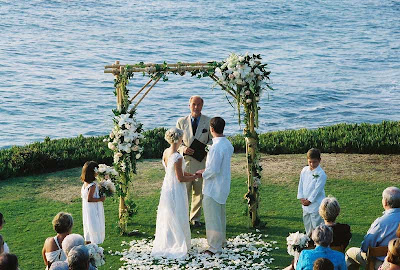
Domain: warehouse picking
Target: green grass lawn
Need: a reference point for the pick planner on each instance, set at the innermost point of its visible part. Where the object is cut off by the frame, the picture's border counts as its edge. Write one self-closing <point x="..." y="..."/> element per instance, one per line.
<point x="30" y="203"/>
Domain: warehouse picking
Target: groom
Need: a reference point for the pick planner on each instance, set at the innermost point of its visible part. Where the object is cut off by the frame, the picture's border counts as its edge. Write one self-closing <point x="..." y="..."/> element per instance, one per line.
<point x="217" y="181"/>
<point x="195" y="126"/>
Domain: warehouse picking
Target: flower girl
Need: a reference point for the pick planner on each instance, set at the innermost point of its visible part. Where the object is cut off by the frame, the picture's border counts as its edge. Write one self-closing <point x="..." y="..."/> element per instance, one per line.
<point x="92" y="206"/>
<point x="172" y="228"/>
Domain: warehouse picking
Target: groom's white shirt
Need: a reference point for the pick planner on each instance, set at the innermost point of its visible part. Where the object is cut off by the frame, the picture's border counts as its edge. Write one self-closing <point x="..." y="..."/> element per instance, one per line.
<point x="217" y="175"/>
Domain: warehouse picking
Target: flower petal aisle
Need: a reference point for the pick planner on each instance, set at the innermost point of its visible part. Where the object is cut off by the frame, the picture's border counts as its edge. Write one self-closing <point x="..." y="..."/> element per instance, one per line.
<point x="245" y="251"/>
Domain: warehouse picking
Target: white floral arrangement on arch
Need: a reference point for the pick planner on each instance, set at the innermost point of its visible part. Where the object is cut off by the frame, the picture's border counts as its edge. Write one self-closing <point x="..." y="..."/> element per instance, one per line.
<point x="296" y="242"/>
<point x="124" y="140"/>
<point x="106" y="177"/>
<point x="246" y="77"/>
<point x="96" y="255"/>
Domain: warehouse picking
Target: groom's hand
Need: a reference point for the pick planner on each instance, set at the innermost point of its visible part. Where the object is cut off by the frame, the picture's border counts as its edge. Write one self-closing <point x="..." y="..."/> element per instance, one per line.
<point x="199" y="173"/>
<point x="188" y="151"/>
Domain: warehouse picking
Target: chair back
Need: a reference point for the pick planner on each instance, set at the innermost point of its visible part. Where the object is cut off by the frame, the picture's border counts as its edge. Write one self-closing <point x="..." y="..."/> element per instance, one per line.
<point x="374" y="252"/>
<point x="340" y="248"/>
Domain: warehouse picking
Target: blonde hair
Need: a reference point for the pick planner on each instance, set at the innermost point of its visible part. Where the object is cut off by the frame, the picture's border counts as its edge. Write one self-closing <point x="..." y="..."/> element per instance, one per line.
<point x="393" y="255"/>
<point x="63" y="222"/>
<point x="329" y="208"/>
<point x="173" y="135"/>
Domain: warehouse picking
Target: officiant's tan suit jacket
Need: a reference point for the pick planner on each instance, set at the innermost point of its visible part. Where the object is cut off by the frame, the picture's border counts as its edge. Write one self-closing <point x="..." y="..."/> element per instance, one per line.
<point x="192" y="165"/>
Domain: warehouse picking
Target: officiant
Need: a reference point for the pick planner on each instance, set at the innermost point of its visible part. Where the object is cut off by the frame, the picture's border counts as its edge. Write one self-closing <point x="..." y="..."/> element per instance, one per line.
<point x="196" y="127"/>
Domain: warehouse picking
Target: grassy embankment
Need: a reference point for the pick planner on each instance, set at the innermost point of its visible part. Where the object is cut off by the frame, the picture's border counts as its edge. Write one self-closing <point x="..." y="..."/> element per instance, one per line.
<point x="29" y="203"/>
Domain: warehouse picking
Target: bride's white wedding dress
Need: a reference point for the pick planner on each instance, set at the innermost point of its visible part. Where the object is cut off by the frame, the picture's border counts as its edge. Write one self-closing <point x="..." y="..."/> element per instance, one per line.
<point x="172" y="238"/>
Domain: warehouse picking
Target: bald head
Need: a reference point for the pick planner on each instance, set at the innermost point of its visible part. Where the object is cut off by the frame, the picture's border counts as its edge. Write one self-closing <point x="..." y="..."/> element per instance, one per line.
<point x="196" y="105"/>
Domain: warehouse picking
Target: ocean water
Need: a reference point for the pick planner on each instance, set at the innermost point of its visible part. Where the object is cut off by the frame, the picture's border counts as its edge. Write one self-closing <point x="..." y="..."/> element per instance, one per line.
<point x="331" y="61"/>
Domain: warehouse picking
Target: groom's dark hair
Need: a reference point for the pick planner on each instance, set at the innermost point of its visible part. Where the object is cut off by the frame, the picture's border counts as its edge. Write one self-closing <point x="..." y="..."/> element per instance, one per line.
<point x="218" y="124"/>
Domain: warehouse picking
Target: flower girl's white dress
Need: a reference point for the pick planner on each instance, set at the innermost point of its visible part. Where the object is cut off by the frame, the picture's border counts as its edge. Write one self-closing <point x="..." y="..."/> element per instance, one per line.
<point x="172" y="229"/>
<point x="93" y="216"/>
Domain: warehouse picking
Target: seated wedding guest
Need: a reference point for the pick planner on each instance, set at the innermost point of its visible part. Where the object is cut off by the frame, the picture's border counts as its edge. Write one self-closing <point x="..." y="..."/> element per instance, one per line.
<point x="386" y="265"/>
<point x="380" y="233"/>
<point x="323" y="264"/>
<point x="74" y="240"/>
<point x="8" y="262"/>
<point x="59" y="266"/>
<point x="52" y="248"/>
<point x="393" y="255"/>
<point x="329" y="209"/>
<point x="71" y="241"/>
<point x="322" y="237"/>
<point x="3" y="245"/>
<point x="78" y="258"/>
<point x="392" y="260"/>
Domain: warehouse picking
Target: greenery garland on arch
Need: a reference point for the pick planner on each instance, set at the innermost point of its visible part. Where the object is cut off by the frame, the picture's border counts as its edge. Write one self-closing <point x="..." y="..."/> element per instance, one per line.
<point x="243" y="77"/>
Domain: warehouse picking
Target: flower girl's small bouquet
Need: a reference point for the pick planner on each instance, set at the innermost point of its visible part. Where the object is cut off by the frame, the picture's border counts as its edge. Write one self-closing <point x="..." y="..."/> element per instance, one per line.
<point x="106" y="177"/>
<point x="96" y="256"/>
<point x="296" y="242"/>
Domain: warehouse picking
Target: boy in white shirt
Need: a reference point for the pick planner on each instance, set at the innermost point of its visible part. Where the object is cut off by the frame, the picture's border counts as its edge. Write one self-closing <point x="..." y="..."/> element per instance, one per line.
<point x="216" y="186"/>
<point x="311" y="190"/>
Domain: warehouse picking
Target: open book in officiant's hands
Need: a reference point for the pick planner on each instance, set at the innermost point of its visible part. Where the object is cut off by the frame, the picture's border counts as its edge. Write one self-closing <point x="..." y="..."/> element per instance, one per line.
<point x="199" y="150"/>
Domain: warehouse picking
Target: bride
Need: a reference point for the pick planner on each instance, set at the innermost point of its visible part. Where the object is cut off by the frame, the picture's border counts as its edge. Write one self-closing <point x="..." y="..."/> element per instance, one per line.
<point x="172" y="238"/>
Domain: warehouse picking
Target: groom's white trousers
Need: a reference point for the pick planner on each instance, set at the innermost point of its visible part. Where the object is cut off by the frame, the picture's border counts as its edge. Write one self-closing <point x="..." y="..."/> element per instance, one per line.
<point x="215" y="218"/>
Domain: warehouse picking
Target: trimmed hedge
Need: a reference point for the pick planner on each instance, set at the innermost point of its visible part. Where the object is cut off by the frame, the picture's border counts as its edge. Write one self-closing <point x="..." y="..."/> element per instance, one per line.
<point x="383" y="138"/>
<point x="60" y="154"/>
<point x="53" y="155"/>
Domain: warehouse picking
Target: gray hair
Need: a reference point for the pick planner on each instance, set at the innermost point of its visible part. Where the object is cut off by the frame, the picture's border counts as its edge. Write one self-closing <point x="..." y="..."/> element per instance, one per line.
<point x="70" y="241"/>
<point x="59" y="265"/>
<point x="173" y="135"/>
<point x="329" y="208"/>
<point x="392" y="197"/>
<point x="322" y="235"/>
<point x="192" y="97"/>
<point x="78" y="258"/>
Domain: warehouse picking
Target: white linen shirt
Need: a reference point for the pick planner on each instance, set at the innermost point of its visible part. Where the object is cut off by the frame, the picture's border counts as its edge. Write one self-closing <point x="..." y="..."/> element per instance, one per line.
<point x="217" y="175"/>
<point x="311" y="187"/>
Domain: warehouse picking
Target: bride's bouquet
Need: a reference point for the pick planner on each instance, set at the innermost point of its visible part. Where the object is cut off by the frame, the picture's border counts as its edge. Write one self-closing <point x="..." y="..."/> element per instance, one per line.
<point x="96" y="256"/>
<point x="106" y="176"/>
<point x="296" y="242"/>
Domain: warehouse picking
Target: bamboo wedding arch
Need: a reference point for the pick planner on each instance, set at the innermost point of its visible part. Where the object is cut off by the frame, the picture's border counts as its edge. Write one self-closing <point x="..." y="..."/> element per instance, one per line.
<point x="241" y="77"/>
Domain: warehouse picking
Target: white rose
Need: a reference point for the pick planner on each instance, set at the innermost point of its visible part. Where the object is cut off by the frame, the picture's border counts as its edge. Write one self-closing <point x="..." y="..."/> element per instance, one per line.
<point x="241" y="58"/>
<point x="135" y="148"/>
<point x="247" y="92"/>
<point x="112" y="135"/>
<point x="231" y="76"/>
<point x="123" y="166"/>
<point x="138" y="156"/>
<point x="257" y="98"/>
<point x="116" y="157"/>
<point x="137" y="141"/>
<point x="111" y="146"/>
<point x="236" y="74"/>
<point x="259" y="77"/>
<point x="239" y="82"/>
<point x="248" y="100"/>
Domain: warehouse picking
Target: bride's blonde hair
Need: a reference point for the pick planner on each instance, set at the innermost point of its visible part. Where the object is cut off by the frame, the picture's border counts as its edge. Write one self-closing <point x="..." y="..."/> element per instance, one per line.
<point x="173" y="135"/>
